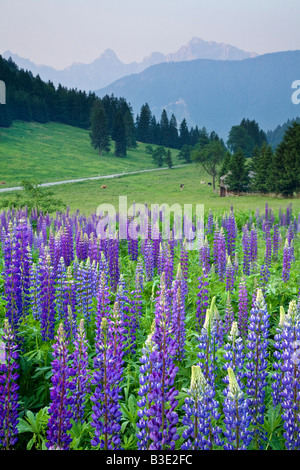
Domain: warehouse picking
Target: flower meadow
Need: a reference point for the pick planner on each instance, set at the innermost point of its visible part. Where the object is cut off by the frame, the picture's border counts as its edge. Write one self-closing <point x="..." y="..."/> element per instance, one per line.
<point x="142" y="344"/>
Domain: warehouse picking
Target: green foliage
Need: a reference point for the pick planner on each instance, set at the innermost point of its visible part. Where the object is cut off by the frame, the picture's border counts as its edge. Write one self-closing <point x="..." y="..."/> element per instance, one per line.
<point x="238" y="178"/>
<point x="99" y="135"/>
<point x="34" y="198"/>
<point x="209" y="157"/>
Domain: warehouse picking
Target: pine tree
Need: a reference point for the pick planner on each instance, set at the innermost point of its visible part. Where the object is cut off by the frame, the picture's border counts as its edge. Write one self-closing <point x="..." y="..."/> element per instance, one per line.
<point x="119" y="136"/>
<point x="168" y="159"/>
<point x="99" y="129"/>
<point x="238" y="178"/>
<point x="286" y="162"/>
<point x="129" y="130"/>
<point x="143" y="124"/>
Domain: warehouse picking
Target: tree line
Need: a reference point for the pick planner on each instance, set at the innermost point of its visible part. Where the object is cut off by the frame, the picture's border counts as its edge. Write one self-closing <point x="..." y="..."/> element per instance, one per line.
<point x="256" y="167"/>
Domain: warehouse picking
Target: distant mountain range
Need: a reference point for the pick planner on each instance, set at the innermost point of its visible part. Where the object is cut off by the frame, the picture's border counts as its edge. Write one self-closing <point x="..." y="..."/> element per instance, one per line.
<point x="107" y="68"/>
<point x="217" y="94"/>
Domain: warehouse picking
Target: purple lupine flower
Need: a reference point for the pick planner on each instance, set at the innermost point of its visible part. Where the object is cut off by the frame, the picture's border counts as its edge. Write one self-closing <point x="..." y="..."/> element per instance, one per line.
<point x="136" y="300"/>
<point x="208" y="343"/>
<point x="204" y="256"/>
<point x="46" y="282"/>
<point x="161" y="416"/>
<point x="275" y="241"/>
<point x="228" y="315"/>
<point x="253" y="247"/>
<point x="86" y="289"/>
<point x="34" y="290"/>
<point x="231" y="233"/>
<point x="24" y="263"/>
<point x="235" y="354"/>
<point x="106" y="414"/>
<point x="69" y="305"/>
<point x="202" y="300"/>
<point x="143" y="435"/>
<point x="113" y="261"/>
<point x="103" y="298"/>
<point x="246" y="251"/>
<point x="290" y="392"/>
<point x="61" y="395"/>
<point x="81" y="373"/>
<point x="12" y="280"/>
<point x="149" y="259"/>
<point x="268" y="253"/>
<point x="286" y="266"/>
<point x="178" y="313"/>
<point x="230" y="275"/>
<point x="243" y="308"/>
<point x="277" y="376"/>
<point x="237" y="417"/>
<point x="128" y="318"/>
<point x="256" y="363"/>
<point x="200" y="409"/>
<point x="8" y="388"/>
<point x="60" y="279"/>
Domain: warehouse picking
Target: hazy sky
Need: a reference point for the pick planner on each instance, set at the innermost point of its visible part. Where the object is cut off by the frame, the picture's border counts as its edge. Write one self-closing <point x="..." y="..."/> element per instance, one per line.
<point x="60" y="32"/>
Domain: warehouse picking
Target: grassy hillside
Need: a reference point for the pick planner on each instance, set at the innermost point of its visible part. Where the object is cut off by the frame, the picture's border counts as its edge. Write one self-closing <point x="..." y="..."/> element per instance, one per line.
<point x="160" y="187"/>
<point x="53" y="152"/>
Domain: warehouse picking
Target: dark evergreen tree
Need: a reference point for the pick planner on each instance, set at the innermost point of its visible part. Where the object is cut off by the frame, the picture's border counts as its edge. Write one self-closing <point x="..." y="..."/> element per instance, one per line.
<point x="173" y="133"/>
<point x="119" y="136"/>
<point x="168" y="159"/>
<point x="159" y="155"/>
<point x="164" y="129"/>
<point x="238" y="177"/>
<point x="129" y="129"/>
<point x="286" y="162"/>
<point x="185" y="153"/>
<point x="99" y="135"/>
<point x="143" y="124"/>
<point x="184" y="135"/>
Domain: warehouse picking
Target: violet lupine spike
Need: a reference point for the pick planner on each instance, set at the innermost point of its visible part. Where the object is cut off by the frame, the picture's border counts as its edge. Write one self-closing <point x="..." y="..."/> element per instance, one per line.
<point x="235" y="355"/>
<point x="81" y="373"/>
<point x="202" y="300"/>
<point x="290" y="394"/>
<point x="229" y="315"/>
<point x="24" y="262"/>
<point x="277" y="376"/>
<point x="149" y="259"/>
<point x="143" y="403"/>
<point x="275" y="241"/>
<point x="12" y="280"/>
<point x="60" y="278"/>
<point x="61" y="396"/>
<point x="106" y="414"/>
<point x="237" y="417"/>
<point x="46" y="280"/>
<point x="69" y="305"/>
<point x="113" y="261"/>
<point x="200" y="409"/>
<point x="286" y="265"/>
<point x="161" y="416"/>
<point x="178" y="313"/>
<point x="136" y="300"/>
<point x="208" y="343"/>
<point x="103" y="298"/>
<point x="256" y="365"/>
<point x="221" y="255"/>
<point x="246" y="251"/>
<point x="128" y="319"/>
<point x="34" y="292"/>
<point x="229" y="275"/>
<point x="243" y="308"/>
<point x="253" y="247"/>
<point x="204" y="256"/>
<point x="9" y="387"/>
<point x="231" y="234"/>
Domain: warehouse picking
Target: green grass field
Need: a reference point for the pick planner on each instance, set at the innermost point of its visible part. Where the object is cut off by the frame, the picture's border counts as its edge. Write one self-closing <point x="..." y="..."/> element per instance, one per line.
<point x="53" y="152"/>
